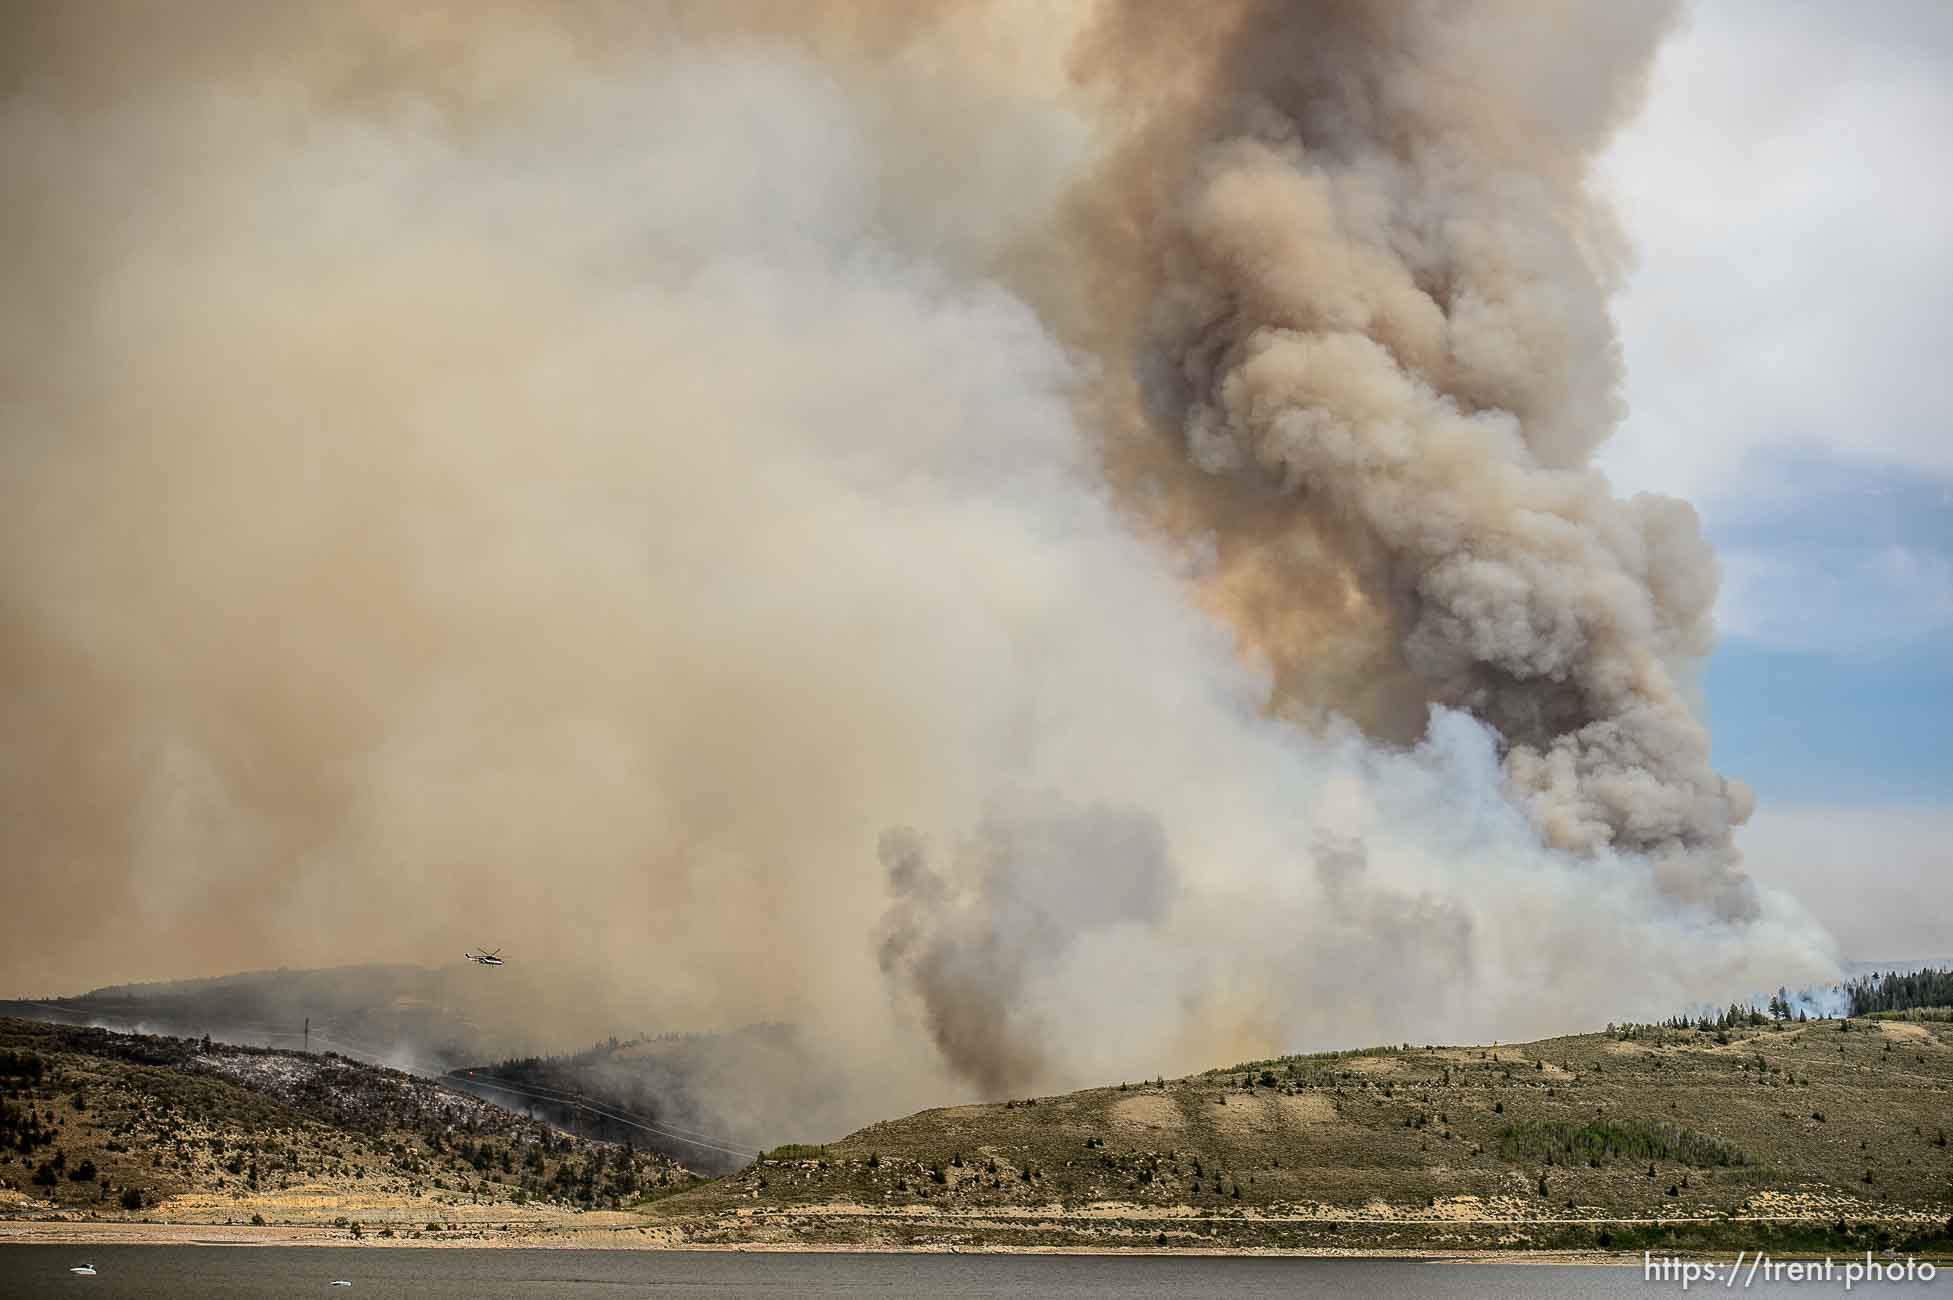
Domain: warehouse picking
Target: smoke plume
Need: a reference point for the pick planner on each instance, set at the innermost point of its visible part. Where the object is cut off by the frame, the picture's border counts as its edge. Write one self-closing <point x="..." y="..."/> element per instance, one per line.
<point x="1036" y="877"/>
<point x="1377" y="330"/>
<point x="580" y="478"/>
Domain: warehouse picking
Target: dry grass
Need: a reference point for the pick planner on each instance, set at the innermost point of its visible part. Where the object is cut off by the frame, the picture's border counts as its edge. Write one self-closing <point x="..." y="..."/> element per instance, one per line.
<point x="1440" y="1148"/>
<point x="1148" y="1112"/>
<point x="1412" y="1139"/>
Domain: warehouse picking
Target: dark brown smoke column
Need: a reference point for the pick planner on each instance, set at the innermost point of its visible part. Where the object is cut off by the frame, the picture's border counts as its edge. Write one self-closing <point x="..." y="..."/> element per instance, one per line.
<point x="1373" y="359"/>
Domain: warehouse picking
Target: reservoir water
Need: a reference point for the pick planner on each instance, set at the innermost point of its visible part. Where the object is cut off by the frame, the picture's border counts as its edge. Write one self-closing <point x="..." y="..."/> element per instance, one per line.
<point x="209" y="1272"/>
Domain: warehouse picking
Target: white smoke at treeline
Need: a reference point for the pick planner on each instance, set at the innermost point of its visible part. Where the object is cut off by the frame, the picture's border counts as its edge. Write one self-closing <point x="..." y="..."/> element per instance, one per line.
<point x="1041" y="545"/>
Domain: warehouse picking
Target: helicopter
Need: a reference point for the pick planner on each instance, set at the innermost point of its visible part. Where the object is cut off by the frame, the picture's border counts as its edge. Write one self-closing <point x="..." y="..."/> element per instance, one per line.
<point x="482" y="957"/>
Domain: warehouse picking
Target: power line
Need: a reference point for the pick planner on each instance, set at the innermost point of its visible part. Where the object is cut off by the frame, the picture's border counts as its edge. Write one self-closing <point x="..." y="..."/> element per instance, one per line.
<point x="675" y="1133"/>
<point x="580" y="1099"/>
<point x="585" y="1105"/>
<point x="582" y="1103"/>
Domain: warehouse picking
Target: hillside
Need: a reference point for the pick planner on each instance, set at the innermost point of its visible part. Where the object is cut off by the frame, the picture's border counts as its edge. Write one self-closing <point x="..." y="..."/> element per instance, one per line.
<point x="434" y="1017"/>
<point x="108" y="1126"/>
<point x="1820" y="1136"/>
<point x="708" y="1100"/>
<point x="1824" y="1136"/>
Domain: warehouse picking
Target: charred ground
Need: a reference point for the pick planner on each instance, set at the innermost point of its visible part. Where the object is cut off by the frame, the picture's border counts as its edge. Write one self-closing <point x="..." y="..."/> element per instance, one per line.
<point x="106" y="1125"/>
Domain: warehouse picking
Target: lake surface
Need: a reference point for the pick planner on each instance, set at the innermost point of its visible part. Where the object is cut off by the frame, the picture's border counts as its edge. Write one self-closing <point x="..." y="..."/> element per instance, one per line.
<point x="181" y="1272"/>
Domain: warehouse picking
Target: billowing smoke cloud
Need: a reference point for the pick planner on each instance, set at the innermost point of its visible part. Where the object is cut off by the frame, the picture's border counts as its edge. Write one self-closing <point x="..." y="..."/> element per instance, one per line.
<point x="1352" y="257"/>
<point x="1378" y="330"/>
<point x="571" y="479"/>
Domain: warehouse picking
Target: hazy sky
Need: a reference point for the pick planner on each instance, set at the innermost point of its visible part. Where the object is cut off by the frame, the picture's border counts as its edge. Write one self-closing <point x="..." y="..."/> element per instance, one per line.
<point x="1786" y="338"/>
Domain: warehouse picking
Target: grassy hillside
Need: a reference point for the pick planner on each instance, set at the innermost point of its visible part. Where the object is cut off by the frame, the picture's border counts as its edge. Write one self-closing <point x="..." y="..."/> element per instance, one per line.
<point x="1824" y="1135"/>
<point x="94" y="1123"/>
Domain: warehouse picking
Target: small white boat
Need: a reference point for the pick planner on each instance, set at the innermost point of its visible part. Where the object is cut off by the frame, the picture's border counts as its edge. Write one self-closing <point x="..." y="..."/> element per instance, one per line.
<point x="85" y="1270"/>
<point x="342" y="1282"/>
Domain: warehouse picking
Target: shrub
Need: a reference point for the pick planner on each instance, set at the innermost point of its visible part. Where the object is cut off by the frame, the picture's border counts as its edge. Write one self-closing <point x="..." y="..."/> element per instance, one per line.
<point x="131" y="1199"/>
<point x="257" y="1220"/>
<point x="1534" y="1139"/>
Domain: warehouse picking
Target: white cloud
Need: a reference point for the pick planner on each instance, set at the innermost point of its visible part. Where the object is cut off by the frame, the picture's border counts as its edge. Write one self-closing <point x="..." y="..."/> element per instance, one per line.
<point x="1836" y="599"/>
<point x="1784" y="192"/>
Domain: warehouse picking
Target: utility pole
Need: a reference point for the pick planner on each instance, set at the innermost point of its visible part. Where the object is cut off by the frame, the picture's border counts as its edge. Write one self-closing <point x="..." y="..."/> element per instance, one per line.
<point x="308" y="1035"/>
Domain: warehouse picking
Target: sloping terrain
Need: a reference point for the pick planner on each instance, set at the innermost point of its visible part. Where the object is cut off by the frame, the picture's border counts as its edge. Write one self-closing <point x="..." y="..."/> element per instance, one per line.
<point x="109" y="1125"/>
<point x="708" y="1100"/>
<point x="1826" y="1135"/>
<point x="430" y="1017"/>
